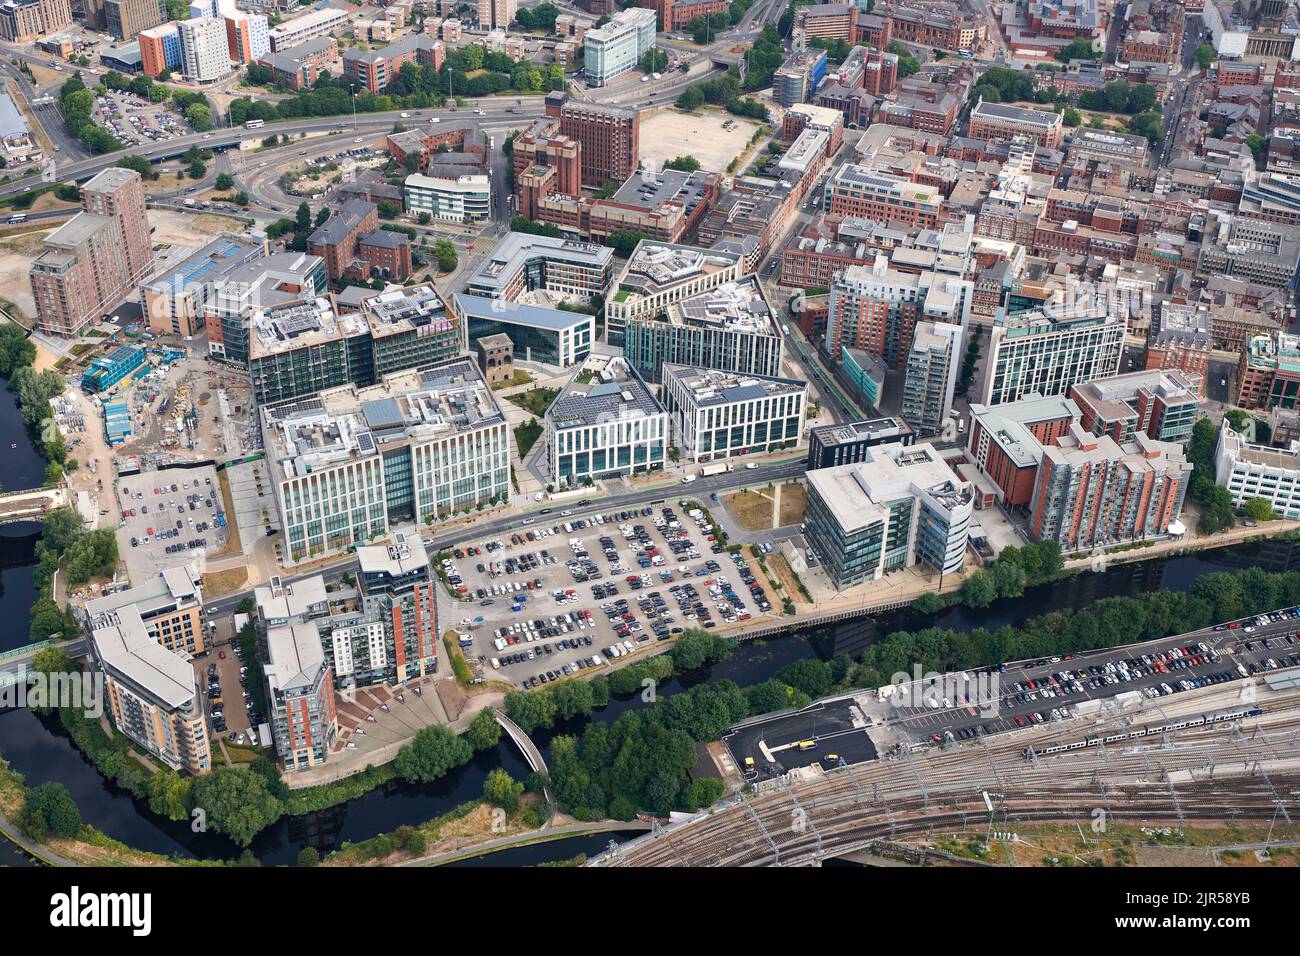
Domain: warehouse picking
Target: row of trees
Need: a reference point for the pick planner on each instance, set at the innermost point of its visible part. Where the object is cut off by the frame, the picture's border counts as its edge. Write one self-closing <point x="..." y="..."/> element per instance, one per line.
<point x="721" y="91"/>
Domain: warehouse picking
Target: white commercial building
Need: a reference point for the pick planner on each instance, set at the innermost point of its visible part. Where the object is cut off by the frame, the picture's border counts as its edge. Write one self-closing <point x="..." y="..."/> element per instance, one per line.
<point x="604" y="423"/>
<point x="318" y="23"/>
<point x="717" y="415"/>
<point x="205" y="52"/>
<point x="1257" y="471"/>
<point x="618" y="46"/>
<point x="900" y="505"/>
<point x="658" y="274"/>
<point x="463" y="199"/>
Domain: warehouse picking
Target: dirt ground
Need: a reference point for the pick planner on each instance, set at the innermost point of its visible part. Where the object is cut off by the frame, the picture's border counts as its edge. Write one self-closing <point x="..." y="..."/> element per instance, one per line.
<point x="794" y="499"/>
<point x="186" y="229"/>
<point x="753" y="509"/>
<point x="16" y="255"/>
<point x="668" y="133"/>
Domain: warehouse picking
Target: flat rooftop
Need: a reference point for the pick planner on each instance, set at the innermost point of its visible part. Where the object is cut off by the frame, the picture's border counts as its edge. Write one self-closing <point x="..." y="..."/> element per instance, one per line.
<point x="606" y="388"/>
<point x="213" y="261"/>
<point x="1008" y="424"/>
<point x="125" y="646"/>
<point x="405" y="555"/>
<point x="877" y="428"/>
<point x="858" y="494"/>
<point x="650" y="190"/>
<point x="518" y="249"/>
<point x="350" y="423"/>
<point x="715" y="387"/>
<point x="299" y="325"/>
<point x="733" y="306"/>
<point x="655" y="266"/>
<point x="407" y="309"/>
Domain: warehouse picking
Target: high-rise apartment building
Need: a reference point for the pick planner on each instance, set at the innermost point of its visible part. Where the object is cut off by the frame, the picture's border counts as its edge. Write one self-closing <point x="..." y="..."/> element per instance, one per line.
<point x="126" y="18"/>
<point x="932" y="368"/>
<point x="91" y="262"/>
<point x="876" y="308"/>
<point x="1159" y="404"/>
<point x="160" y="49"/>
<point x="610" y="137"/>
<point x="205" y="52"/>
<point x="1048" y="351"/>
<point x="23" y="20"/>
<point x="248" y="37"/>
<point x="299" y="680"/>
<point x="496" y="13"/>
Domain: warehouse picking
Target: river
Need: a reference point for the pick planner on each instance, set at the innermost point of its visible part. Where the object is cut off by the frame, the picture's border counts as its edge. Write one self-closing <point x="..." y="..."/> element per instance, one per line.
<point x="39" y="750"/>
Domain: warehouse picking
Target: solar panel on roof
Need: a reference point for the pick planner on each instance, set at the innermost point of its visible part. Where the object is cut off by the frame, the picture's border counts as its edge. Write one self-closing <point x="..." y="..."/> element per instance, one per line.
<point x="382" y="413"/>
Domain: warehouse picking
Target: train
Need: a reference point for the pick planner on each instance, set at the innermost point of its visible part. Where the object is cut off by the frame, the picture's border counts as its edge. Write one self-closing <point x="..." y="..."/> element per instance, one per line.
<point x="1146" y="731"/>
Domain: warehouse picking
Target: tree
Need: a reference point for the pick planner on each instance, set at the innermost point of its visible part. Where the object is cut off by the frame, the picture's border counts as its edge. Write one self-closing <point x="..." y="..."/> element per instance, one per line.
<point x="654" y="61"/>
<point x="501" y="790"/>
<point x="197" y="169"/>
<point x="169" y="794"/>
<point x="1080" y="48"/>
<point x="237" y="801"/>
<point x="1204" y="56"/>
<point x="979" y="590"/>
<point x="302" y="221"/>
<point x="810" y="676"/>
<point x="685" y="164"/>
<point x="49" y="810"/>
<point x="225" y="181"/>
<point x="308" y="856"/>
<point x="432" y="752"/>
<point x="1258" y="509"/>
<point x="139" y="164"/>
<point x="1071" y="117"/>
<point x="483" y="732"/>
<point x="389" y="209"/>
<point x="199" y="116"/>
<point x="1151" y="125"/>
<point x="16" y="349"/>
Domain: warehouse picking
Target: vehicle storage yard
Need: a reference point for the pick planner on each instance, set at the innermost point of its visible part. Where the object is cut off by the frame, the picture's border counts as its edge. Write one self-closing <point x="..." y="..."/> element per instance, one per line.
<point x="539" y="606"/>
<point x="1024" y="694"/>
<point x="169" y="516"/>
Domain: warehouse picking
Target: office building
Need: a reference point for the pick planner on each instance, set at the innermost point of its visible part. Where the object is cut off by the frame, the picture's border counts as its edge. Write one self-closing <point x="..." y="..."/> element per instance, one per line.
<point x="353" y="245"/>
<point x="160" y="49"/>
<point x="831" y="445"/>
<point x="350" y="463"/>
<point x="309" y="26"/>
<point x="260" y="284"/>
<point x="1049" y="351"/>
<point x="854" y="190"/>
<point x="1182" y="337"/>
<point x="932" y="368"/>
<point x="900" y="506"/>
<point x="604" y="423"/>
<point x="247" y="36"/>
<point x="455" y="199"/>
<point x="375" y="69"/>
<point x="717" y="415"/>
<point x="730" y="327"/>
<point x="659" y="274"/>
<point x="1159" y="404"/>
<point x="24" y="20"/>
<point x="877" y="308"/>
<point x="539" y="333"/>
<point x="303" y="347"/>
<point x="618" y="46"/>
<point x="563" y="269"/>
<point x="126" y="18"/>
<point x="92" y="262"/>
<point x="175" y="299"/>
<point x="1256" y="471"/>
<point x="205" y="54"/>
<point x="410" y="327"/>
<point x="1268" y="372"/>
<point x="798" y="78"/>
<point x="152" y="693"/>
<point x="299" y="680"/>
<point x="1001" y="121"/>
<point x="1092" y="492"/>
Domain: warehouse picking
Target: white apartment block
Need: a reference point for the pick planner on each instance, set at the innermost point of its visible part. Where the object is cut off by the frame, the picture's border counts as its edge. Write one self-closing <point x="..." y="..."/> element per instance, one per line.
<point x="205" y="52"/>
<point x="717" y="415"/>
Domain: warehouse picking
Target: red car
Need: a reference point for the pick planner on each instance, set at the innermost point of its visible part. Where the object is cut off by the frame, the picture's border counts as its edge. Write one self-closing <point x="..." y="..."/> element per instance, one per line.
<point x="221" y="654"/>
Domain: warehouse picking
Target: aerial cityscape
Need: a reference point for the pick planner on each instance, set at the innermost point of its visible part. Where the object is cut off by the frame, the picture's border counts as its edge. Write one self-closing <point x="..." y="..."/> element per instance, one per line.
<point x="754" y="433"/>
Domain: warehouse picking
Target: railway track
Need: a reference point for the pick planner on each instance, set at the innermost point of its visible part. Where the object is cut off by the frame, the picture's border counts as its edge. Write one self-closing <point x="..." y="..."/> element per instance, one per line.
<point x="1247" y="769"/>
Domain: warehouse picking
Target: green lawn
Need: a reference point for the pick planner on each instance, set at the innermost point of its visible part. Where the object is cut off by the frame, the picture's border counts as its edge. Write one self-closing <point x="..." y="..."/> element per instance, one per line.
<point x="526" y="435"/>
<point x="535" y="400"/>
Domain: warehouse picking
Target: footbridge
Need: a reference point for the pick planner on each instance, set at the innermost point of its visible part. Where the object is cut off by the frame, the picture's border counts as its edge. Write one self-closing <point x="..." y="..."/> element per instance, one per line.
<point x="31" y="505"/>
<point x="530" y="751"/>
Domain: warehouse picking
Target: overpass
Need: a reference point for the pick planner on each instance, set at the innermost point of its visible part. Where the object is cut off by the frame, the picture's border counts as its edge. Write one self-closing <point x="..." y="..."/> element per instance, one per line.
<point x="31" y="505"/>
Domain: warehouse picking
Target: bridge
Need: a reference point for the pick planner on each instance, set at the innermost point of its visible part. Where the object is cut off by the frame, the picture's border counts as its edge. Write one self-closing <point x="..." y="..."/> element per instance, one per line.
<point x="15" y="663"/>
<point x="530" y="751"/>
<point x="31" y="505"/>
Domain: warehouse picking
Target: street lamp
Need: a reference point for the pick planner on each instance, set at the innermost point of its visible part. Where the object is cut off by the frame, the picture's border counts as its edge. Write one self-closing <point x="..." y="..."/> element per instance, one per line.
<point x="353" y="87"/>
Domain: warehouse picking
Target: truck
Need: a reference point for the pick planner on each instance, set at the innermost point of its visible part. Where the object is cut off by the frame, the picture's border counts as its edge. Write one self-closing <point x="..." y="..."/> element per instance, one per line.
<point x="715" y="469"/>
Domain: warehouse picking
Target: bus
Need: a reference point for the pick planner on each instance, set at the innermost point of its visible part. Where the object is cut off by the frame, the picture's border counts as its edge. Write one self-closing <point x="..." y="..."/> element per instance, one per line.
<point x="807" y="745"/>
<point x="15" y="219"/>
<point x="255" y="124"/>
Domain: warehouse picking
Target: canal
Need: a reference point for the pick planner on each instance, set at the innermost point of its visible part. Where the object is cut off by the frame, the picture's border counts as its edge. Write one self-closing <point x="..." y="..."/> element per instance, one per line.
<point x="37" y="747"/>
